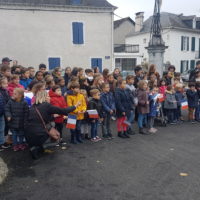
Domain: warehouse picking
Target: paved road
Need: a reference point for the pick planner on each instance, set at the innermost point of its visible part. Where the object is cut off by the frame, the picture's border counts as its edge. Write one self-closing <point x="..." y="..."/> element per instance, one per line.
<point x="142" y="168"/>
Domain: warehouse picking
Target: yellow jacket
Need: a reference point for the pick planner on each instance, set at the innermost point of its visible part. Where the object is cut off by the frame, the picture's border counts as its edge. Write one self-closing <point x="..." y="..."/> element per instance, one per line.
<point x="72" y="100"/>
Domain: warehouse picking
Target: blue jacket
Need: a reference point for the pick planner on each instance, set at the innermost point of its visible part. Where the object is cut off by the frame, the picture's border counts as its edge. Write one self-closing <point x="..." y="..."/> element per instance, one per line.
<point x="2" y="105"/>
<point x="25" y="82"/>
<point x="108" y="102"/>
<point x="179" y="98"/>
<point x="153" y="105"/>
<point x="193" y="98"/>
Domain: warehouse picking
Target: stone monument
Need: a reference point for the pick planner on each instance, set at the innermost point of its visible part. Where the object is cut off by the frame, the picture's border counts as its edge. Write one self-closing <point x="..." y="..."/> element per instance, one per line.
<point x="156" y="48"/>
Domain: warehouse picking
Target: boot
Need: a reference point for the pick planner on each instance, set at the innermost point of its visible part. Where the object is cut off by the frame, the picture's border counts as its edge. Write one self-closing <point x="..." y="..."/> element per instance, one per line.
<point x="121" y="135"/>
<point x="73" y="139"/>
<point x="143" y="132"/>
<point x="126" y="134"/>
<point x="78" y="138"/>
<point x="131" y="132"/>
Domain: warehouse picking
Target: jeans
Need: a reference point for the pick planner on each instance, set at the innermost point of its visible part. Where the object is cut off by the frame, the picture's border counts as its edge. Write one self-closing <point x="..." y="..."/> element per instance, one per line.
<point x="197" y="113"/>
<point x="151" y="122"/>
<point x="18" y="137"/>
<point x="106" y="125"/>
<point x="131" y="118"/>
<point x="142" y="119"/>
<point x="2" y="127"/>
<point x="94" y="128"/>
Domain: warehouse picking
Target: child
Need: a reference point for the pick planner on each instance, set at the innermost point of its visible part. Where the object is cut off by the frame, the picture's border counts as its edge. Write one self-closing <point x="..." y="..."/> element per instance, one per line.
<point x="170" y="105"/>
<point x="49" y="82"/>
<point x="197" y="111"/>
<point x="109" y="108"/>
<point x="95" y="104"/>
<point x="143" y="106"/>
<point x="153" y="107"/>
<point x="14" y="83"/>
<point x="73" y="98"/>
<point x="85" y="122"/>
<point x="5" y="71"/>
<point x="2" y="123"/>
<point x="112" y="83"/>
<point x="25" y="80"/>
<point x="122" y="107"/>
<point x="16" y="112"/>
<point x="89" y="74"/>
<point x="56" y="99"/>
<point x="61" y="83"/>
<point x="193" y="100"/>
<point x="163" y="87"/>
<point x="179" y="98"/>
<point x="131" y="93"/>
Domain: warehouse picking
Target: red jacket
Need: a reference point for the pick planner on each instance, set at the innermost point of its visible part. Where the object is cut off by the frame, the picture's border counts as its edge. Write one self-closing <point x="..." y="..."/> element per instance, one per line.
<point x="58" y="101"/>
<point x="12" y="86"/>
<point x="162" y="89"/>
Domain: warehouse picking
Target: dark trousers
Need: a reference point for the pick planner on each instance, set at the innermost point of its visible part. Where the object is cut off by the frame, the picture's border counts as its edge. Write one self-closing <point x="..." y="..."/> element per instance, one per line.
<point x="178" y="113"/>
<point x="106" y="125"/>
<point x="76" y="133"/>
<point x="197" y="113"/>
<point x="170" y="115"/>
<point x="59" y="128"/>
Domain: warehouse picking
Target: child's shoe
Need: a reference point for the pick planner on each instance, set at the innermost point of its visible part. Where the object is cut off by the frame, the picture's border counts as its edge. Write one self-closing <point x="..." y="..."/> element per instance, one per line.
<point x="126" y="135"/>
<point x="98" y="138"/>
<point x="121" y="135"/>
<point x="22" y="147"/>
<point x="93" y="140"/>
<point x="16" y="148"/>
<point x="151" y="130"/>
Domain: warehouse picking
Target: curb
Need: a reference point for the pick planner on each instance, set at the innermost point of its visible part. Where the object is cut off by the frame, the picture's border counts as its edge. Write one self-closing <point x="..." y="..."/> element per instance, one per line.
<point x="3" y="171"/>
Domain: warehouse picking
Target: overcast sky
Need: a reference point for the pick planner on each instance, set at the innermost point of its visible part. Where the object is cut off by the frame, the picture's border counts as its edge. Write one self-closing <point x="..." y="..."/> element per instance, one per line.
<point x="130" y="7"/>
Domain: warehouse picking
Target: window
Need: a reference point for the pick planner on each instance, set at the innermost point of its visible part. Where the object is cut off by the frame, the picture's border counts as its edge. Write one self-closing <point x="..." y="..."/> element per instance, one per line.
<point x="53" y="63"/>
<point x="185" y="43"/>
<point x="75" y="2"/>
<point x="193" y="43"/>
<point x="77" y="33"/>
<point x="184" y="65"/>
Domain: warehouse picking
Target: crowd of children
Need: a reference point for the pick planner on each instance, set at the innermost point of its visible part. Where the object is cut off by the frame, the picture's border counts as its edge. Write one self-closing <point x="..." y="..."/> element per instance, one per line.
<point x="101" y="98"/>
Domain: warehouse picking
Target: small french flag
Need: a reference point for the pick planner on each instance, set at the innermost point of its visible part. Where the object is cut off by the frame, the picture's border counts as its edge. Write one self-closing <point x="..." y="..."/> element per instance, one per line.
<point x="71" y="122"/>
<point x="184" y="105"/>
<point x="161" y="98"/>
<point x="93" y="114"/>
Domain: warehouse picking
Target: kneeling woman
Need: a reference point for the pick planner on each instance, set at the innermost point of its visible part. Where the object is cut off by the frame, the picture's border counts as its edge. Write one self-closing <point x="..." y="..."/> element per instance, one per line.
<point x="35" y="132"/>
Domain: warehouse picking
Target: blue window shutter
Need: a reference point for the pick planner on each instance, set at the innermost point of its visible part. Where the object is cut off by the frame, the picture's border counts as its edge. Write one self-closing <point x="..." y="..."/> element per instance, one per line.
<point x="192" y="64"/>
<point x="193" y="43"/>
<point x="75" y="2"/>
<point x="75" y="32"/>
<point x="182" y="40"/>
<point x="53" y="63"/>
<point x="80" y="33"/>
<point x="96" y="62"/>
<point x="182" y="66"/>
<point x="188" y="43"/>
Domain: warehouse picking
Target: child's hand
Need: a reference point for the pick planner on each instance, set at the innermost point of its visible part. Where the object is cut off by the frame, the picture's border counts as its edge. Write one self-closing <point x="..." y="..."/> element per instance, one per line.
<point x="8" y="118"/>
<point x="111" y="112"/>
<point x="124" y="113"/>
<point x="65" y="117"/>
<point x="56" y="115"/>
<point x="78" y="104"/>
<point x="147" y="102"/>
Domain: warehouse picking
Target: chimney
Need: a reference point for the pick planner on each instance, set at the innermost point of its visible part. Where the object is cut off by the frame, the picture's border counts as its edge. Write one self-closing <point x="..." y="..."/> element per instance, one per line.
<point x="139" y="19"/>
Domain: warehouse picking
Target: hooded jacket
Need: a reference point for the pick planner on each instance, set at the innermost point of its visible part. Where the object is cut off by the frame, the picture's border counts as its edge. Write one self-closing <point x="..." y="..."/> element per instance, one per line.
<point x="58" y="101"/>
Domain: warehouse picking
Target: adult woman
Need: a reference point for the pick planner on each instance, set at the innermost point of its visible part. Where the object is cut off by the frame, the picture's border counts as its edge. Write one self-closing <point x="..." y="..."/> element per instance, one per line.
<point x="35" y="132"/>
<point x="152" y="71"/>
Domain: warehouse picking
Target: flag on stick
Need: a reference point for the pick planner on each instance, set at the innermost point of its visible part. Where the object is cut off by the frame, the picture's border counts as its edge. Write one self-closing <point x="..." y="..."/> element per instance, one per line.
<point x="93" y="114"/>
<point x="71" y="122"/>
<point x="184" y="105"/>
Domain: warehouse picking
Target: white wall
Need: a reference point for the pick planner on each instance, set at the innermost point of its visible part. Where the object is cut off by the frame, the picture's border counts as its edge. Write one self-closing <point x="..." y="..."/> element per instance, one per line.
<point x="32" y="36"/>
<point x="172" y="39"/>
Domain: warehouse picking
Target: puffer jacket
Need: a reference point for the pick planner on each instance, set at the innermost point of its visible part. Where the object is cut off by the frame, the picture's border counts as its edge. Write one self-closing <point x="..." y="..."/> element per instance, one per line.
<point x="58" y="101"/>
<point x="170" y="101"/>
<point x="108" y="102"/>
<point x="12" y="86"/>
<point x="5" y="95"/>
<point x="72" y="100"/>
<point x="193" y="98"/>
<point x="18" y="112"/>
<point x="123" y="102"/>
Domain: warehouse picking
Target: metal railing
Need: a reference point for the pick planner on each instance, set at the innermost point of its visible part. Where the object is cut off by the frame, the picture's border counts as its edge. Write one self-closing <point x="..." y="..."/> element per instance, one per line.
<point x="126" y="48"/>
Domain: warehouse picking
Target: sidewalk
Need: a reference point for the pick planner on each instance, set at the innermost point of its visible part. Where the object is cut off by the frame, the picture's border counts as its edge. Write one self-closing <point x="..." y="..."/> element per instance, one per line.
<point x="3" y="171"/>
